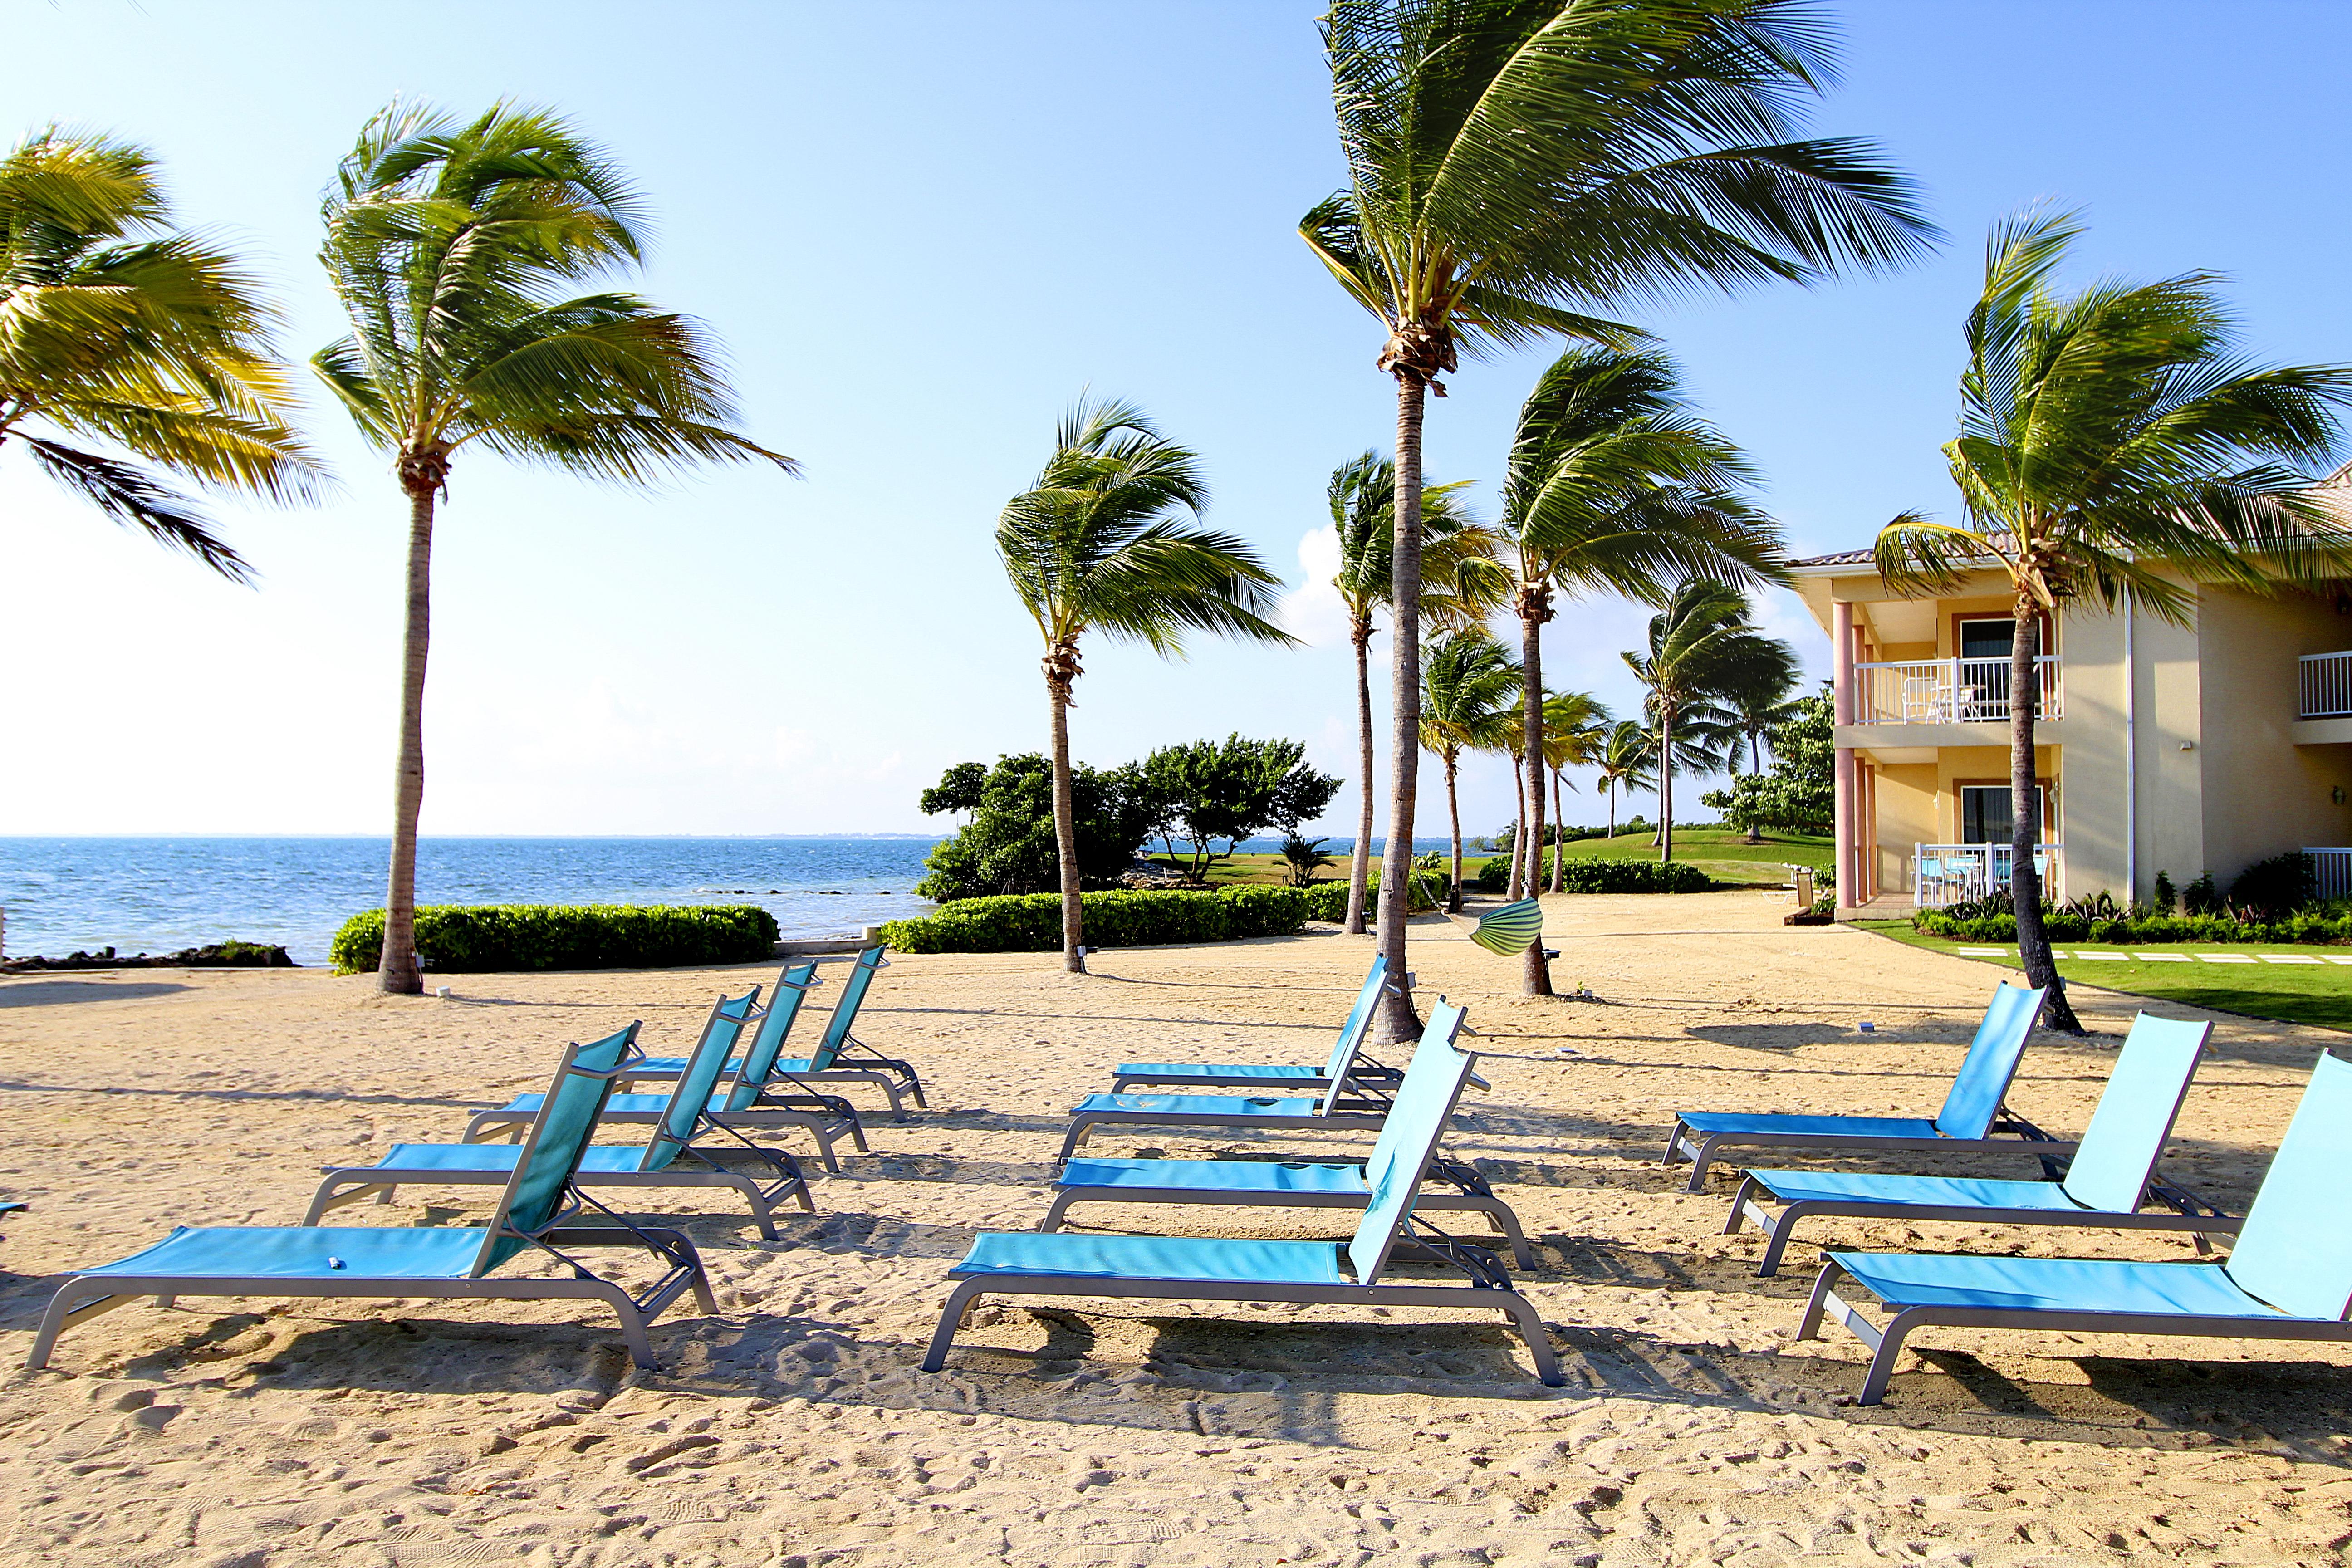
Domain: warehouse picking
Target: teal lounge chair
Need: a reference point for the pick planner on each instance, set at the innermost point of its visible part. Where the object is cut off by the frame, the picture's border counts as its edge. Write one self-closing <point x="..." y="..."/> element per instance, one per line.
<point x="2109" y="1177"/>
<point x="840" y="1057"/>
<point x="671" y="1158"/>
<point x="1310" y="1079"/>
<point x="1972" y="1112"/>
<point x="1030" y="1263"/>
<point x="754" y="1097"/>
<point x="2288" y="1277"/>
<point x="539" y="1210"/>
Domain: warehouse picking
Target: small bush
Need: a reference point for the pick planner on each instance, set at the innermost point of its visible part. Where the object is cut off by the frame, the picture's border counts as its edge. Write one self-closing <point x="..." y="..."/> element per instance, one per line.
<point x="2276" y="886"/>
<point x="1495" y="876"/>
<point x="459" y="939"/>
<point x="1597" y="876"/>
<point x="1031" y="922"/>
<point x="2166" y="901"/>
<point x="2200" y="897"/>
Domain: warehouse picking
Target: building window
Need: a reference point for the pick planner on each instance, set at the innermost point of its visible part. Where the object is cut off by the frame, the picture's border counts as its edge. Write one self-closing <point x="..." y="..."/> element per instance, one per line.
<point x="1984" y="812"/>
<point x="1988" y="638"/>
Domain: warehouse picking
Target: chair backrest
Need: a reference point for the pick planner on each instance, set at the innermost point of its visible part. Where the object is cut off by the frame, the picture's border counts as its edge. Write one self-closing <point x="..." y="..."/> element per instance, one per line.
<point x="712" y="1049"/>
<point x="552" y="1149"/>
<point x="1983" y="1082"/>
<point x="845" y="1012"/>
<point x="1352" y="1035"/>
<point x="2295" y="1250"/>
<point x="793" y="987"/>
<point x="1408" y="1141"/>
<point x="2136" y="1112"/>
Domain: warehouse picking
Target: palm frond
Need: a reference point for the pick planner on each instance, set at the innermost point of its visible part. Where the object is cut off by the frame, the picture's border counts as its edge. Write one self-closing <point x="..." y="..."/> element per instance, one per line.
<point x="135" y="500"/>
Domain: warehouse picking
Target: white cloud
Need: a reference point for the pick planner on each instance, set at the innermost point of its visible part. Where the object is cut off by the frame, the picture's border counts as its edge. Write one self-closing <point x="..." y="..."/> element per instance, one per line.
<point x="1314" y="612"/>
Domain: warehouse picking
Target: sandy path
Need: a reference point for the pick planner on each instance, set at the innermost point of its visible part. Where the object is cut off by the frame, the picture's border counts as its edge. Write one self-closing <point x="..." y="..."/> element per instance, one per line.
<point x="791" y="1429"/>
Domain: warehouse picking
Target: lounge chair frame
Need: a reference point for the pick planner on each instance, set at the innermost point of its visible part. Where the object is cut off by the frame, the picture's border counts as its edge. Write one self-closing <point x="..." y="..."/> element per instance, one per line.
<point x="1307" y="1080"/>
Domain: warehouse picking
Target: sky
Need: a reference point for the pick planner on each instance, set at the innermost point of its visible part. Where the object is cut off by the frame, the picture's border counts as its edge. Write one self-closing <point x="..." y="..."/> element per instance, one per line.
<point x="923" y="230"/>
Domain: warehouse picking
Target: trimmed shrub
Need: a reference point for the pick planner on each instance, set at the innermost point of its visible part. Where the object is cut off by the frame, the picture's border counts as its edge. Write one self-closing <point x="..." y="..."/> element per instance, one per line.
<point x="1031" y="922"/>
<point x="1495" y="876"/>
<point x="461" y="939"/>
<point x="1964" y="923"/>
<point x="2278" y="885"/>
<point x="1580" y="875"/>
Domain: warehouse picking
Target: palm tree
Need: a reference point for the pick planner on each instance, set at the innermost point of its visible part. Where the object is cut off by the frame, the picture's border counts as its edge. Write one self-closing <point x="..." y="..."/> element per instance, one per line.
<point x="1574" y="723"/>
<point x="1460" y="587"/>
<point x="2117" y="442"/>
<point x="1096" y="544"/>
<point x="1622" y="760"/>
<point x="450" y="245"/>
<point x="1513" y="163"/>
<point x="1755" y="700"/>
<point x="1702" y="635"/>
<point x="116" y="328"/>
<point x="1614" y="486"/>
<point x="1465" y="680"/>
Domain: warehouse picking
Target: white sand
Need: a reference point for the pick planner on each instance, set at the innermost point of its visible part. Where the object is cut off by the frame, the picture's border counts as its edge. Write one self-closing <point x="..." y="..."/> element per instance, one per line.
<point x="792" y="1429"/>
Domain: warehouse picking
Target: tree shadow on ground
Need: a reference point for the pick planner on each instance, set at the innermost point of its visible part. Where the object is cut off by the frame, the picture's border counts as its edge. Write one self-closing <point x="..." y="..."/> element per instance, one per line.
<point x="62" y="993"/>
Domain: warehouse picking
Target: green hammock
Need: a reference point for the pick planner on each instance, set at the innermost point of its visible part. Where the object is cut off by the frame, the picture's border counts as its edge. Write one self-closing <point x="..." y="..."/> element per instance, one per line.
<point x="1510" y="929"/>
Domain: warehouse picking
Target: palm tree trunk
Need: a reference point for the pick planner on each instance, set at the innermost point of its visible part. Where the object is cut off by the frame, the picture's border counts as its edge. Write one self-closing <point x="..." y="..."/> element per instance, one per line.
<point x="1754" y="767"/>
<point x="1360" y="864"/>
<point x="1518" y="836"/>
<point x="1453" y="817"/>
<point x="1613" y="811"/>
<point x="398" y="970"/>
<point x="1665" y="782"/>
<point x="1558" y="815"/>
<point x="1535" y="979"/>
<point x="1399" y="1021"/>
<point x="1065" y="836"/>
<point x="2026" y="819"/>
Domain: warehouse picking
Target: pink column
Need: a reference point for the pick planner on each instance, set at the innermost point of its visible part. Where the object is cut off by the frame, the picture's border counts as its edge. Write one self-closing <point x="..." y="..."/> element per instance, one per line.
<point x="1847" y="833"/>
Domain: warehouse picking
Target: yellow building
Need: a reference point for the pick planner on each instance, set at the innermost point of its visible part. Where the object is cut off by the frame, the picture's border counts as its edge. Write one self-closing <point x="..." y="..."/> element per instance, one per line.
<point x="2159" y="749"/>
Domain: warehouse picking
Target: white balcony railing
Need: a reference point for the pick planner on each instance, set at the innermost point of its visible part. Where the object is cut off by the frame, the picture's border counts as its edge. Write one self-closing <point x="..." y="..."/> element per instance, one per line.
<point x="2333" y="867"/>
<point x="2325" y="686"/>
<point x="1945" y="874"/>
<point x="1947" y="691"/>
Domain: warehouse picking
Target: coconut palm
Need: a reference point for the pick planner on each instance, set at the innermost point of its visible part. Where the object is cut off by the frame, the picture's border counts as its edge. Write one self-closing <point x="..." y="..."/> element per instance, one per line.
<point x="1702" y="635"/>
<point x="1574" y="723"/>
<point x="1461" y="587"/>
<point x="1466" y="683"/>
<point x="1624" y="760"/>
<point x="1754" y="700"/>
<point x="118" y="327"/>
<point x="1613" y="486"/>
<point x="1098" y="543"/>
<point x="2117" y="442"/>
<point x="451" y="245"/>
<point x="1515" y="163"/>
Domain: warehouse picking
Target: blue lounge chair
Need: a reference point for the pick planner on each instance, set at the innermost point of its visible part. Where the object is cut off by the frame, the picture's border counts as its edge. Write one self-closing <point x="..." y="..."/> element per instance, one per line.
<point x="539" y="1210"/>
<point x="840" y="1057"/>
<point x="1030" y="1263"/>
<point x="756" y="1096"/>
<point x="2288" y="1277"/>
<point x="1971" y="1115"/>
<point x="2109" y="1177"/>
<point x="671" y="1158"/>
<point x="1309" y="1079"/>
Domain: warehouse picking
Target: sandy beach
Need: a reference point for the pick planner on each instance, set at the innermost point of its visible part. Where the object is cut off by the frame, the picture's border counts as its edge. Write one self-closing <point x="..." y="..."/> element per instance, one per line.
<point x="793" y="1428"/>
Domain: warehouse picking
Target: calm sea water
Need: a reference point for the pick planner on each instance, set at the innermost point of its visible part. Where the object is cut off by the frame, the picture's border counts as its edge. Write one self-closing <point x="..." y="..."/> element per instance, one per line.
<point x="158" y="895"/>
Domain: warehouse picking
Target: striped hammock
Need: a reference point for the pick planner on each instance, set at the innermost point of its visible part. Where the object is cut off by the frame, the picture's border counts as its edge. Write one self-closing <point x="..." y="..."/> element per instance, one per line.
<point x="1510" y="929"/>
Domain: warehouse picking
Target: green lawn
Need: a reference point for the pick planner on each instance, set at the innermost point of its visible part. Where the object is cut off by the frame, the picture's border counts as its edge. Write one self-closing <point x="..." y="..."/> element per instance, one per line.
<point x="2318" y="993"/>
<point x="1722" y="852"/>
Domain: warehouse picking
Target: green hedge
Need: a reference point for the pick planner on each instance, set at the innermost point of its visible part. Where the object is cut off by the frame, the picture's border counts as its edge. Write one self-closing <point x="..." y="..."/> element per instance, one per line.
<point x="1328" y="900"/>
<point x="1597" y="876"/>
<point x="477" y="938"/>
<point x="1031" y="922"/>
<point x="2065" y="926"/>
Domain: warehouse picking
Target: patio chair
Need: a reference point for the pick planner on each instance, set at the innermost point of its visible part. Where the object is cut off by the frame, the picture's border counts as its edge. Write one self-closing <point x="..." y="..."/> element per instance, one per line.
<point x="539" y="1211"/>
<point x="2288" y="1277"/>
<point x="840" y="1057"/>
<point x="753" y="1097"/>
<point x="671" y="1158"/>
<point x="1031" y="1263"/>
<point x="2109" y="1177"/>
<point x="1972" y="1114"/>
<point x="1307" y="1080"/>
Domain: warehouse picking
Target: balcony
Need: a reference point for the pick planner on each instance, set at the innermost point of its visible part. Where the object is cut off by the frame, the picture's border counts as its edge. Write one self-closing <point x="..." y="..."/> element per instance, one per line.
<point x="2324" y="683"/>
<point x="1947" y="874"/>
<point x="1950" y="691"/>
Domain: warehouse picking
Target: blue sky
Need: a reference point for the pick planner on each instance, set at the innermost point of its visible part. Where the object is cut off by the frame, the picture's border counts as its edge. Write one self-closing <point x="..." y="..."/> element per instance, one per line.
<point x="922" y="229"/>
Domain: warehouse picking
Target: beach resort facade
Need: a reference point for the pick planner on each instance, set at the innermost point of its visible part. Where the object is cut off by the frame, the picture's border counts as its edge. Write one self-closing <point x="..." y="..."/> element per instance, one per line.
<point x="2159" y="748"/>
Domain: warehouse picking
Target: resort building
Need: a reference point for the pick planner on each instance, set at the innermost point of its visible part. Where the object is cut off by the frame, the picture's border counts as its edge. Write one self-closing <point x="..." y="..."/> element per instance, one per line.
<point x="2158" y="748"/>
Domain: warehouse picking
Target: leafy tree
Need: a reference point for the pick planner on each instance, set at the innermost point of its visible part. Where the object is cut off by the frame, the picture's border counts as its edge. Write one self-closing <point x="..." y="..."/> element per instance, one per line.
<point x="118" y="327"/>
<point x="1466" y="680"/>
<point x="1702" y="635"/>
<point x="2117" y="442"/>
<point x="1097" y="545"/>
<point x="1009" y="846"/>
<point x="1513" y="163"/>
<point x="451" y="247"/>
<point x="1229" y="790"/>
<point x="1798" y="793"/>
<point x="1461" y="585"/>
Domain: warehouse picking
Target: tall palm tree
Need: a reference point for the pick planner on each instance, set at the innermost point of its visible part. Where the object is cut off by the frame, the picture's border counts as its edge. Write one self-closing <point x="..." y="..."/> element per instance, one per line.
<point x="2111" y="442"/>
<point x="1622" y="760"/>
<point x="1098" y="544"/>
<point x="1702" y="635"/>
<point x="118" y="327"/>
<point x="1466" y="681"/>
<point x="1755" y="700"/>
<point x="1574" y="723"/>
<point x="1614" y="486"/>
<point x="1461" y="587"/>
<point x="1513" y="164"/>
<point x="451" y="246"/>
